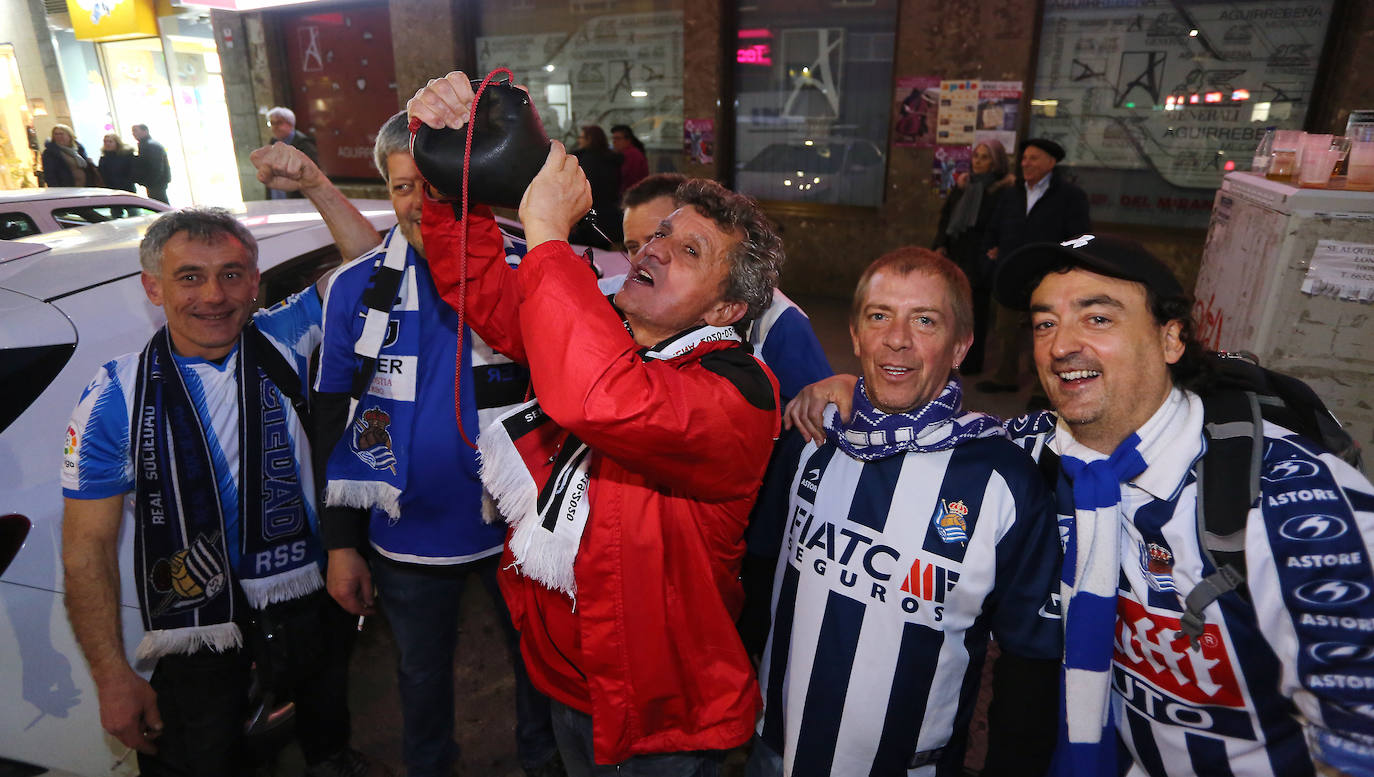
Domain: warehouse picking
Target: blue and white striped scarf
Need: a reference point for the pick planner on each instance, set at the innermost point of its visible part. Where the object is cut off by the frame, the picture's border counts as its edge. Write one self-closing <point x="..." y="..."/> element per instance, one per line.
<point x="1088" y="584"/>
<point x="937" y="425"/>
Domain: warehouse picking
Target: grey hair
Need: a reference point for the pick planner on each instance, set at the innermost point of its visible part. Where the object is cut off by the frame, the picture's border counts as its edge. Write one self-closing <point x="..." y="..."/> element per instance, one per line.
<point x="392" y="138"/>
<point x="283" y="112"/>
<point x="756" y="261"/>
<point x="204" y="224"/>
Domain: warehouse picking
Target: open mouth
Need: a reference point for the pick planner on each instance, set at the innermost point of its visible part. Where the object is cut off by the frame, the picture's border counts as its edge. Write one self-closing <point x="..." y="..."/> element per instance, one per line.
<point x="893" y="371"/>
<point x="640" y="275"/>
<point x="1078" y="377"/>
<point x="214" y="316"/>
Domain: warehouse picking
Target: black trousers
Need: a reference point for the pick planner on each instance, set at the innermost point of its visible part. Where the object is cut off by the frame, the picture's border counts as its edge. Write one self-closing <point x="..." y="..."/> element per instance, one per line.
<point x="203" y="697"/>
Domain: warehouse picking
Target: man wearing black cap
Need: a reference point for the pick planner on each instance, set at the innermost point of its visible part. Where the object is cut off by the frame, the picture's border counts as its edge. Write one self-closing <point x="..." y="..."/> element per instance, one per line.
<point x="1044" y="208"/>
<point x="1278" y="678"/>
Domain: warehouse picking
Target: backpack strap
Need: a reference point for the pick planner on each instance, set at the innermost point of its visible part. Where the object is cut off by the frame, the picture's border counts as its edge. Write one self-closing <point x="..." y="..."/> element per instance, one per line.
<point x="1228" y="478"/>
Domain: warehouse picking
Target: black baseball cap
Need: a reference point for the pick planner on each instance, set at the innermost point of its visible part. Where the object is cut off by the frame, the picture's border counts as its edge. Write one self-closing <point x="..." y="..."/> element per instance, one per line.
<point x="1020" y="271"/>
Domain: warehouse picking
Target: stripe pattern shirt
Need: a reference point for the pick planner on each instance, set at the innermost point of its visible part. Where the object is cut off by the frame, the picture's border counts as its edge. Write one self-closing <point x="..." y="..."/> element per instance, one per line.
<point x="1297" y="661"/>
<point x="890" y="575"/>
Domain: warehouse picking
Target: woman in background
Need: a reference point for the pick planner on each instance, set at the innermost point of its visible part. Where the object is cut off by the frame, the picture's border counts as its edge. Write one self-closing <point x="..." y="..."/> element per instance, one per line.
<point x="117" y="163"/>
<point x="635" y="166"/>
<point x="963" y="220"/>
<point x="602" y="167"/>
<point x="65" y="162"/>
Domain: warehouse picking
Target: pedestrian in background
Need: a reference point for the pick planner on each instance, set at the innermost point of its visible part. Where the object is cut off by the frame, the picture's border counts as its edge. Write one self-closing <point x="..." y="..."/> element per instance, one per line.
<point x="150" y="166"/>
<point x="117" y="163"/>
<point x="65" y="162"/>
<point x="634" y="167"/>
<point x="602" y="167"/>
<point x="283" y="123"/>
<point x="963" y="226"/>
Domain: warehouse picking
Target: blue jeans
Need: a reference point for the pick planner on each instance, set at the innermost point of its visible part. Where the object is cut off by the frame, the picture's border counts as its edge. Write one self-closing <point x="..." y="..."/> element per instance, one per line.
<point x="422" y="606"/>
<point x="764" y="761"/>
<point x="573" y="730"/>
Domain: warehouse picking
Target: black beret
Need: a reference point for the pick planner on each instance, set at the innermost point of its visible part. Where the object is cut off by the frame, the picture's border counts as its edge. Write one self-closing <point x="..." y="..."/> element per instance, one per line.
<point x="1048" y="146"/>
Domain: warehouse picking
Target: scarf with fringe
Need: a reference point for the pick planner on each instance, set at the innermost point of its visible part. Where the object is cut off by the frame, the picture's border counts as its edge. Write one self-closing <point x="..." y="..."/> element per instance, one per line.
<point x="541" y="477"/>
<point x="192" y="560"/>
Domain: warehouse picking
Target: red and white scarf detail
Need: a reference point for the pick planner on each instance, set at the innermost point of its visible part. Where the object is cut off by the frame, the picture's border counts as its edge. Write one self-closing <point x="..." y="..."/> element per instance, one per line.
<point x="541" y="477"/>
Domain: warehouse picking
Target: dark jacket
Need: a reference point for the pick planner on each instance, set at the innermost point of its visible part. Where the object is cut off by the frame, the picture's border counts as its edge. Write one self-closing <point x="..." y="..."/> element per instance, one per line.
<point x="57" y="173"/>
<point x="1060" y="214"/>
<point x="602" y="167"/>
<point x="307" y="146"/>
<point x="117" y="168"/>
<point x="967" y="248"/>
<point x="150" y="166"/>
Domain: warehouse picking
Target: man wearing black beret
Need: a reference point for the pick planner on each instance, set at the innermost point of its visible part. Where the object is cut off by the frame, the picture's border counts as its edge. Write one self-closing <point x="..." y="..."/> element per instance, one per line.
<point x="1044" y="208"/>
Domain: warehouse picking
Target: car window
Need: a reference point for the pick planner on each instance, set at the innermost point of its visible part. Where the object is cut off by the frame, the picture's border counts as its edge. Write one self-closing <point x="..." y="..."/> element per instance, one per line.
<point x="786" y="157"/>
<point x="81" y="215"/>
<point x="25" y="373"/>
<point x="13" y="225"/>
<point x="295" y="274"/>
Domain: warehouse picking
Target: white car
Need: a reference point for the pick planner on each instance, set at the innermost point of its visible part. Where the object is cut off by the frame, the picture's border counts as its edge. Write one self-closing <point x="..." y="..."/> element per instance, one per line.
<point x="25" y="212"/>
<point x="69" y="302"/>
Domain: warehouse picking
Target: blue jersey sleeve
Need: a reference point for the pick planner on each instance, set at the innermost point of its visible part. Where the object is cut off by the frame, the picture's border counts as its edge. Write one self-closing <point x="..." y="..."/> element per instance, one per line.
<point x="295" y="325"/>
<point x="769" y="520"/>
<point x="96" y="458"/>
<point x="1024" y="606"/>
<point x="793" y="353"/>
<point x="341" y="320"/>
<point x="1311" y="581"/>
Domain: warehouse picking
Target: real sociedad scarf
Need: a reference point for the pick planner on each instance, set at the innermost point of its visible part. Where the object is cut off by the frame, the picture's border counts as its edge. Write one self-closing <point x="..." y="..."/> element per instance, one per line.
<point x="1088" y="589"/>
<point x="370" y="471"/>
<point x="187" y="566"/>
<point x="541" y="477"/>
<point x="937" y="425"/>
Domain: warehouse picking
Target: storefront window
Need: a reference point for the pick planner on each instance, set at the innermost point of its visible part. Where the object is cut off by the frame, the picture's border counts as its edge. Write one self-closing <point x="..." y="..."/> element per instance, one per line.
<point x="1155" y="104"/>
<point x="813" y="93"/>
<point x="595" y="62"/>
<point x="85" y="88"/>
<point x="16" y="124"/>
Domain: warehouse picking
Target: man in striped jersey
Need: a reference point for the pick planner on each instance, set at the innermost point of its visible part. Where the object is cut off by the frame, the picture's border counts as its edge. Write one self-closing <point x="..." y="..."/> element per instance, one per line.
<point x="1281" y="680"/>
<point x="903" y="539"/>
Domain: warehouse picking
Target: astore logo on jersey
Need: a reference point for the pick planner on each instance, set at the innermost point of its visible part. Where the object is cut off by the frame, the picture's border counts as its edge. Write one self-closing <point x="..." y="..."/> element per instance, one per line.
<point x="1341" y="653"/>
<point x="1328" y="593"/>
<point x="1309" y="528"/>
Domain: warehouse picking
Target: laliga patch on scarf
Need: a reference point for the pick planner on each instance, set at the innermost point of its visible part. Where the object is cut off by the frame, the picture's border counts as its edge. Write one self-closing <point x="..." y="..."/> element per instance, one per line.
<point x="951" y="521"/>
<point x="371" y="441"/>
<point x="190" y="576"/>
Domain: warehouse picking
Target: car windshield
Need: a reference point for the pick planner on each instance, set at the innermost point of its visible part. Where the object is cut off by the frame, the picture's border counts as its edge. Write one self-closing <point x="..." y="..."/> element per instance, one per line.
<point x="788" y="157"/>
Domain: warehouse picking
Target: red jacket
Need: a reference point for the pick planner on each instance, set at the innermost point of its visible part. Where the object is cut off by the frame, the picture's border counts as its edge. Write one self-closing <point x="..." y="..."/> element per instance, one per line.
<point x="682" y="455"/>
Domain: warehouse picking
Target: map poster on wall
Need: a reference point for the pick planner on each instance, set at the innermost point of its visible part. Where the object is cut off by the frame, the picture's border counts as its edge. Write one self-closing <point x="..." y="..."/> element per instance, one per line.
<point x="1156" y="100"/>
<point x="918" y="102"/>
<point x="615" y="69"/>
<point x="958" y="113"/>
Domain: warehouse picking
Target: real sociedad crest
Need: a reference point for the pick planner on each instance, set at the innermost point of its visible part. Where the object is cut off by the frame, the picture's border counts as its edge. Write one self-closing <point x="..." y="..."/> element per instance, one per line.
<point x="951" y="523"/>
<point x="1157" y="564"/>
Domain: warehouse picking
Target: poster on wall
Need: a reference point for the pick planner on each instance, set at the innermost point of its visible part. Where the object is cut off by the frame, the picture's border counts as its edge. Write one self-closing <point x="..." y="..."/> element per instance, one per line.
<point x="699" y="140"/>
<point x="615" y="69"/>
<point x="918" y="103"/>
<point x="1155" y="103"/>
<point x="343" y="83"/>
<point x="958" y="117"/>
<point x="949" y="163"/>
<point x="999" y="109"/>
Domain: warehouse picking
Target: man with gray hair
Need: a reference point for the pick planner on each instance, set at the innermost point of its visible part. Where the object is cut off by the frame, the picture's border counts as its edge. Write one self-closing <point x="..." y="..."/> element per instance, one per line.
<point x="404" y="515"/>
<point x="282" y="122"/>
<point x="230" y="585"/>
<point x="628" y="482"/>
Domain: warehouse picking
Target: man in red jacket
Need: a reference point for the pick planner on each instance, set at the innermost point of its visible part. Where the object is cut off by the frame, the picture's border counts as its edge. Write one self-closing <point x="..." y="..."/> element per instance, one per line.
<point x="628" y="482"/>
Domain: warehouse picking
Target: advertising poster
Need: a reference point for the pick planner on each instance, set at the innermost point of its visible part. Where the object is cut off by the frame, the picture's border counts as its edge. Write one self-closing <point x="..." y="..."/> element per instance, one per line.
<point x="999" y="108"/>
<point x="918" y="103"/>
<point x="958" y="117"/>
<point x="699" y="140"/>
<point x="949" y="162"/>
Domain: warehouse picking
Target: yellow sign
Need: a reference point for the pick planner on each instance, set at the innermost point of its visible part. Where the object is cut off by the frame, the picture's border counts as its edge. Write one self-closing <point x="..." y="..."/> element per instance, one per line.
<point x="102" y="20"/>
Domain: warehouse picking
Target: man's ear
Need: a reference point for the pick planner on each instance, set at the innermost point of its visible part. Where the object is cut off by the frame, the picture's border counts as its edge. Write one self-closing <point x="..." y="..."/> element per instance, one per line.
<point x="1171" y="337"/>
<point x="151" y="287"/>
<point x="725" y="313"/>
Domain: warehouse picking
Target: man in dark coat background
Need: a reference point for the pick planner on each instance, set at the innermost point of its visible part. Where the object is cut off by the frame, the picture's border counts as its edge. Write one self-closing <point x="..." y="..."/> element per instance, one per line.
<point x="283" y="123"/>
<point x="1043" y="207"/>
<point x="150" y="166"/>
